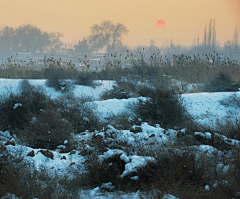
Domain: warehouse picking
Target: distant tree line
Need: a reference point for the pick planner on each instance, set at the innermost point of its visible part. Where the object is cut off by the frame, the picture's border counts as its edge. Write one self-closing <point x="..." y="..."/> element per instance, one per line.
<point x="104" y="36"/>
<point x="28" y="38"/>
<point x="210" y="43"/>
<point x="233" y="45"/>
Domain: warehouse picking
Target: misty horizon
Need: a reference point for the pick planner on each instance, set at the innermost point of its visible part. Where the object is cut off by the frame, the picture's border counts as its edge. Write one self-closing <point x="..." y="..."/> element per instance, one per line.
<point x="185" y="20"/>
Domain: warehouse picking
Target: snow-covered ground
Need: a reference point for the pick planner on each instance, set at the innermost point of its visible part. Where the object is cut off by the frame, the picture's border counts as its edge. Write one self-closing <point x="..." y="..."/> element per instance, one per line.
<point x="205" y="108"/>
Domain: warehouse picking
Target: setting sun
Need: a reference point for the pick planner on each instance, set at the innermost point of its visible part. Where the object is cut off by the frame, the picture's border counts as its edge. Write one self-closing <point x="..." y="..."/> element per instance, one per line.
<point x="160" y="23"/>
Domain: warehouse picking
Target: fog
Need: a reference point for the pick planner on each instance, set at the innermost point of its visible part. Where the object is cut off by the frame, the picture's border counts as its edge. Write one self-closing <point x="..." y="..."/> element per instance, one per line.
<point x="73" y="29"/>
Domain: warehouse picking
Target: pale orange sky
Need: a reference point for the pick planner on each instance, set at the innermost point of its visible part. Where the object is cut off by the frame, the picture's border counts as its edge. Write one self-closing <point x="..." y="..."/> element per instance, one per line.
<point x="185" y="19"/>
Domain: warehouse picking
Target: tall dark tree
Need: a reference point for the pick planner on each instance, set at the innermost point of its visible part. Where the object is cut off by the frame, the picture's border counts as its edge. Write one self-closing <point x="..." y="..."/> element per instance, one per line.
<point x="210" y="34"/>
<point x="236" y="39"/>
<point x="107" y="35"/>
<point x="209" y="37"/>
<point x="214" y="32"/>
<point x="205" y="36"/>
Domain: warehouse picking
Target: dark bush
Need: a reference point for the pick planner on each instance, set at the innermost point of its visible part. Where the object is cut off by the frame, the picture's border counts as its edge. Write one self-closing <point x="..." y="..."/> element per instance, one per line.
<point x="115" y="93"/>
<point x="81" y="112"/>
<point x="85" y="78"/>
<point x="48" y="129"/>
<point x="126" y="88"/>
<point x="34" y="118"/>
<point x="102" y="172"/>
<point x="164" y="107"/>
<point x="16" y="109"/>
<point x="53" y="83"/>
<point x="221" y="83"/>
<point x="25" y="181"/>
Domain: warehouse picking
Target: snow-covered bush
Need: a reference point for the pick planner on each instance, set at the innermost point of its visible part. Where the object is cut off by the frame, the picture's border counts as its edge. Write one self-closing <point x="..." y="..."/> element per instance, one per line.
<point x="60" y="85"/>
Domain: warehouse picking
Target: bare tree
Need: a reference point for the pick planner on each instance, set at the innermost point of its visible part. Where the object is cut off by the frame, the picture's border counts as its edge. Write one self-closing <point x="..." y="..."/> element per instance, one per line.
<point x="205" y="36"/>
<point x="209" y="37"/>
<point x="27" y="38"/>
<point x="107" y="34"/>
<point x="214" y="34"/>
<point x="6" y="39"/>
<point x="236" y="39"/>
<point x="210" y="33"/>
<point x="55" y="42"/>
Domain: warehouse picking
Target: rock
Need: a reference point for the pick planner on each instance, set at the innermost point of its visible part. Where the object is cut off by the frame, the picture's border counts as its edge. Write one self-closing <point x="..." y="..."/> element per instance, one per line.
<point x="47" y="153"/>
<point x="31" y="153"/>
<point x="72" y="152"/>
<point x="10" y="142"/>
<point x="63" y="158"/>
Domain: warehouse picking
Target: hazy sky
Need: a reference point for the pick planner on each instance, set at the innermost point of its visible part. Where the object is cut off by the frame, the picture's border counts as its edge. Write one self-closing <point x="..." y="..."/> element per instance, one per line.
<point x="185" y="19"/>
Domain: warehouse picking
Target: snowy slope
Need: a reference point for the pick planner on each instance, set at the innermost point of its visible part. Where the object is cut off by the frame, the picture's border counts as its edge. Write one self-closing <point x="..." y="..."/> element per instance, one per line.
<point x="204" y="107"/>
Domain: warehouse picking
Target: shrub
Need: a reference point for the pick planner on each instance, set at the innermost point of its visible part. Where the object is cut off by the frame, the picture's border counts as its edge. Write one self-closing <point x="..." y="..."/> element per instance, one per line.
<point x="126" y="88"/>
<point x="25" y="181"/>
<point x="34" y="118"/>
<point x="85" y="78"/>
<point x="48" y="129"/>
<point x="164" y="107"/>
<point x="221" y="83"/>
<point x="58" y="84"/>
<point x="53" y="83"/>
<point x="80" y="112"/>
<point x="16" y="109"/>
<point x="231" y="100"/>
<point x="115" y="93"/>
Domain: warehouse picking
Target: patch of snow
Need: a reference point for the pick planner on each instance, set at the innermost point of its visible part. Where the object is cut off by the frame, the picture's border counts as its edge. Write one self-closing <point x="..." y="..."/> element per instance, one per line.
<point x="61" y="147"/>
<point x="16" y="105"/>
<point x="34" y="119"/>
<point x="134" y="178"/>
<point x="9" y="195"/>
<point x="209" y="150"/>
<point x="110" y="153"/>
<point x="124" y="158"/>
<point x="5" y="135"/>
<point x="85" y="119"/>
<point x="206" y="135"/>
<point x="228" y="140"/>
<point x="207" y="187"/>
<point x="136" y="163"/>
<point x="108" y="186"/>
<point x="169" y="196"/>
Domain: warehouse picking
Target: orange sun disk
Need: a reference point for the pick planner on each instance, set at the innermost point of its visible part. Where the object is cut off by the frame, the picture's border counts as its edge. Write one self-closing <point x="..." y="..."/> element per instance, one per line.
<point x="160" y="23"/>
